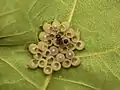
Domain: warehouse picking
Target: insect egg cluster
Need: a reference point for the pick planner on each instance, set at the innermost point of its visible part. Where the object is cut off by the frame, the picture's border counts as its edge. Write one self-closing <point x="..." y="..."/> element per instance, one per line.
<point x="55" y="49"/>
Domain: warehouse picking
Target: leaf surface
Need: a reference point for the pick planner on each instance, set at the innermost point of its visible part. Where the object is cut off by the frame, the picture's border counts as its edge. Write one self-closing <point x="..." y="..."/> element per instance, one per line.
<point x="99" y="24"/>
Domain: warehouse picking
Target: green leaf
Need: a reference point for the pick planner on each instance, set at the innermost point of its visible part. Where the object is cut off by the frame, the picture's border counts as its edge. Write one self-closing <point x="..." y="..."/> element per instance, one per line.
<point x="99" y="24"/>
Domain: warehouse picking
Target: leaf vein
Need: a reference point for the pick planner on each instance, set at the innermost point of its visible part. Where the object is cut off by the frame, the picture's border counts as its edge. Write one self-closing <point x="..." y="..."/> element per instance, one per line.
<point x="21" y="74"/>
<point x="72" y="11"/>
<point x="13" y="82"/>
<point x="16" y="34"/>
<point x="8" y="13"/>
<point x="107" y="66"/>
<point x="12" y="22"/>
<point x="63" y="2"/>
<point x="37" y="15"/>
<point x="34" y="3"/>
<point x="75" y="82"/>
<point x="69" y="20"/>
<point x="99" y="53"/>
<point x="47" y="81"/>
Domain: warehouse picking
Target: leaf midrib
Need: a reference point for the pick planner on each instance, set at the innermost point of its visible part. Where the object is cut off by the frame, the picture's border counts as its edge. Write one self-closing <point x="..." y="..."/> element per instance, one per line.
<point x="48" y="78"/>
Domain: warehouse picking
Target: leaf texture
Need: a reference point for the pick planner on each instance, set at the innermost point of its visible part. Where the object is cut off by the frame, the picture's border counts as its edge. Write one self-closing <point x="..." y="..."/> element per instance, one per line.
<point x="99" y="24"/>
